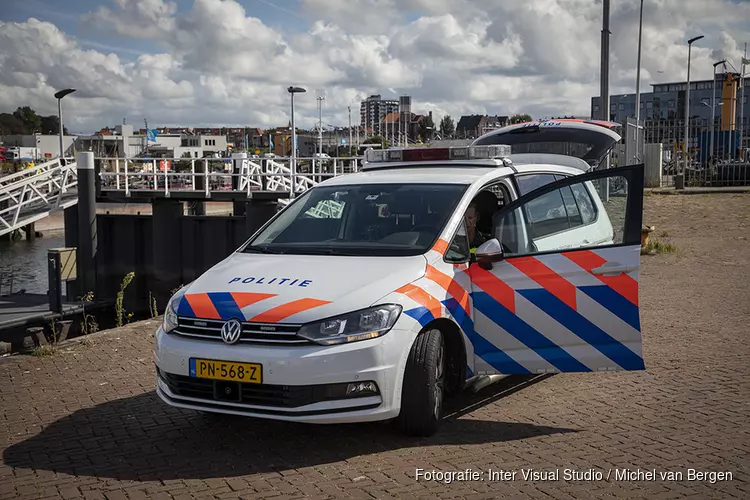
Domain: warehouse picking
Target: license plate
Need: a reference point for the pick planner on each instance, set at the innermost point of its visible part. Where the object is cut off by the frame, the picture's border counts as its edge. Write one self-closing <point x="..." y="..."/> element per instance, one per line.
<point x="226" y="370"/>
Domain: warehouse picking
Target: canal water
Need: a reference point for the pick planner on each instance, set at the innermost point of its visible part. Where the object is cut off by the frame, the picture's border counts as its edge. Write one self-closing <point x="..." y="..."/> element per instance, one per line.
<point x="26" y="262"/>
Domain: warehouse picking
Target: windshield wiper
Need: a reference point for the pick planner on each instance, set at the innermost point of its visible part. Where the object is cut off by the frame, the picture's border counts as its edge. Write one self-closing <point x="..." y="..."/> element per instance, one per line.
<point x="265" y="249"/>
<point x="318" y="251"/>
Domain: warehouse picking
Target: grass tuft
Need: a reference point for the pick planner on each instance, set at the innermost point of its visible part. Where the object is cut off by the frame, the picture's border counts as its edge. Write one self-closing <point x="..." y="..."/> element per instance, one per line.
<point x="656" y="246"/>
<point x="43" y="350"/>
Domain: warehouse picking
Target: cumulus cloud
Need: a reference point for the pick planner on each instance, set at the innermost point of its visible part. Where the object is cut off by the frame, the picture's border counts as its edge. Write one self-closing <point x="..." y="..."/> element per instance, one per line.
<point x="216" y="62"/>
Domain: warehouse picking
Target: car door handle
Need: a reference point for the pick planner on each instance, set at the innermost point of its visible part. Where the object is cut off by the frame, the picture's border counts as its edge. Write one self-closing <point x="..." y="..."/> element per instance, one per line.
<point x="613" y="269"/>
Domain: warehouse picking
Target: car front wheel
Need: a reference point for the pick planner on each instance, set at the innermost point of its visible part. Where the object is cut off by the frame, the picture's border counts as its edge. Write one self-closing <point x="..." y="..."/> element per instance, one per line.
<point x="424" y="385"/>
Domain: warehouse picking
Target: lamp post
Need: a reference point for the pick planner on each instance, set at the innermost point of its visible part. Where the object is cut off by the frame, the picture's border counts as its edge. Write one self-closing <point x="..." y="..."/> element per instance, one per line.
<point x="638" y="88"/>
<point x="712" y="128"/>
<point x="350" y="130"/>
<point x="604" y="69"/>
<point x="687" y="103"/>
<point x="59" y="95"/>
<point x="293" y="165"/>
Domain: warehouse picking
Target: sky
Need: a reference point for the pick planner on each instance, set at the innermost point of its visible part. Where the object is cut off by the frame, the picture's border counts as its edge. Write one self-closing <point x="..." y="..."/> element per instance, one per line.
<point x="213" y="63"/>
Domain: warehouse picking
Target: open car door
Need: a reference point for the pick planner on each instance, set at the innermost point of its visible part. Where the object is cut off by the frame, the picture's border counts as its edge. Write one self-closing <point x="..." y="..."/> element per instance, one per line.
<point x="556" y="290"/>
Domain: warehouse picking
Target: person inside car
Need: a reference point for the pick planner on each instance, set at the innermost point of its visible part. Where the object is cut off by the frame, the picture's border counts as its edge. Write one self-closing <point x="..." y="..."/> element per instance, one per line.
<point x="476" y="237"/>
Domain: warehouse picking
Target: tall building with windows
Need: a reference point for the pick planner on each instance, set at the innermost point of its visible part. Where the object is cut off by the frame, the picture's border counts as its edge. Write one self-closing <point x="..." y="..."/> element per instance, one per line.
<point x="372" y="112"/>
<point x="667" y="102"/>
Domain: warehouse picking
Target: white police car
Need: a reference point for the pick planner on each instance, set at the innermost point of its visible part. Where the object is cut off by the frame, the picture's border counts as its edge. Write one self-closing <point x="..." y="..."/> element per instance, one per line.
<point x="362" y="301"/>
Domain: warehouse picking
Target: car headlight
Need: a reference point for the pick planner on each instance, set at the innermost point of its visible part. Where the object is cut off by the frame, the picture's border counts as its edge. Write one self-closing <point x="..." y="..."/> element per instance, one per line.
<point x="352" y="327"/>
<point x="170" y="314"/>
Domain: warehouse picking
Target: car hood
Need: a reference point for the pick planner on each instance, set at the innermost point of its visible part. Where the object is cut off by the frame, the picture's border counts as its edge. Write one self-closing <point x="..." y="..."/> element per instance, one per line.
<point x="589" y="140"/>
<point x="295" y="288"/>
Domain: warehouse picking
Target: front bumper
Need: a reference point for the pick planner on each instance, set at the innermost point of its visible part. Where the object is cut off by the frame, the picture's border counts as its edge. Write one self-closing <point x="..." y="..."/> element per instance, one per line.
<point x="296" y="379"/>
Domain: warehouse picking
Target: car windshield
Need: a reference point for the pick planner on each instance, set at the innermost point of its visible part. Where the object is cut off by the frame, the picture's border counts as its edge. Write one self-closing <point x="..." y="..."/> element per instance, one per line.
<point x="371" y="219"/>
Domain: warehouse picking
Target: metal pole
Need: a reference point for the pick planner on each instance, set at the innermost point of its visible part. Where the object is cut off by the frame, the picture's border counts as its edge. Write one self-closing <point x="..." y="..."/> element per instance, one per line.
<point x="713" y="111"/>
<point x="292" y="167"/>
<point x="604" y="71"/>
<point x="350" y="129"/>
<point x="687" y="112"/>
<point x="742" y="106"/>
<point x="87" y="235"/>
<point x="59" y="118"/>
<point x="638" y="88"/>
<point x="320" y="125"/>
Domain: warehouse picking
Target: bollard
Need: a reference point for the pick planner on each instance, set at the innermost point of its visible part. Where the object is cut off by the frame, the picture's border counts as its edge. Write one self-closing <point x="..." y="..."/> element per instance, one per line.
<point x="679" y="181"/>
<point x="87" y="234"/>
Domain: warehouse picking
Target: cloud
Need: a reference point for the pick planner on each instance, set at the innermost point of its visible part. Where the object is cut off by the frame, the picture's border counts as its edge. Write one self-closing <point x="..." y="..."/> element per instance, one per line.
<point x="216" y="62"/>
<point x="135" y="18"/>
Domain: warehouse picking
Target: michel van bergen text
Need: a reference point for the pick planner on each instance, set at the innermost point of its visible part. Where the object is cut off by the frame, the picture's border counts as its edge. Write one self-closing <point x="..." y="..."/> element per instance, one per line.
<point x="572" y="475"/>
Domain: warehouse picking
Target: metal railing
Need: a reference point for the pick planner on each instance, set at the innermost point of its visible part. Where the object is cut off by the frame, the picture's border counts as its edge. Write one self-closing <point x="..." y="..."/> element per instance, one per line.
<point x="209" y="175"/>
<point x="34" y="193"/>
<point x="714" y="157"/>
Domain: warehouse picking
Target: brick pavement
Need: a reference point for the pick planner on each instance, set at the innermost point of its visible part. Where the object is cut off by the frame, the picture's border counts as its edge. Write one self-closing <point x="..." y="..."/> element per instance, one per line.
<point x="85" y="422"/>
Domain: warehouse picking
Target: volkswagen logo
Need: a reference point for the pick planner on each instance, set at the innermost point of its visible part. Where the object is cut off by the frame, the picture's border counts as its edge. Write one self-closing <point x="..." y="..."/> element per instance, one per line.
<point x="231" y="331"/>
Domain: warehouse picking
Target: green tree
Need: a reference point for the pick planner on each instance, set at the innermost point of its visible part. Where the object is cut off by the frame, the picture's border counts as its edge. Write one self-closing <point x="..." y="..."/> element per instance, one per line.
<point x="183" y="165"/>
<point x="31" y="121"/>
<point x="520" y="118"/>
<point x="447" y="127"/>
<point x="51" y="125"/>
<point x="10" y="124"/>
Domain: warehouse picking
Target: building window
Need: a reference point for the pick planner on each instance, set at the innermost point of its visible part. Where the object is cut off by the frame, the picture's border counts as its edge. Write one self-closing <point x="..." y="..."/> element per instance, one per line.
<point x="650" y="104"/>
<point x="622" y="107"/>
<point x="671" y="103"/>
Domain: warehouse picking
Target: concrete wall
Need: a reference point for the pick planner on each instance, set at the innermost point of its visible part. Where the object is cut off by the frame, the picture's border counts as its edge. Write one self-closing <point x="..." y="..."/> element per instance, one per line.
<point x="167" y="249"/>
<point x="194" y="152"/>
<point x="47" y="144"/>
<point x="213" y="143"/>
<point x="50" y="145"/>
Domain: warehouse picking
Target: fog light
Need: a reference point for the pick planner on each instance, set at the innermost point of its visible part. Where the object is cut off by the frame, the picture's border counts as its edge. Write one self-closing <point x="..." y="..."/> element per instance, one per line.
<point x="361" y="388"/>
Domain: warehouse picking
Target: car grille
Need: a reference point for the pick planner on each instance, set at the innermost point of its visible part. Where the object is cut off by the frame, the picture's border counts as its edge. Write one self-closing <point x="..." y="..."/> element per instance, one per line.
<point x="281" y="396"/>
<point x="255" y="333"/>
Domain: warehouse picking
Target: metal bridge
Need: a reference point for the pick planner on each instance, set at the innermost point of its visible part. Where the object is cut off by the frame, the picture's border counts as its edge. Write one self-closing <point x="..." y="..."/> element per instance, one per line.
<point x="33" y="194"/>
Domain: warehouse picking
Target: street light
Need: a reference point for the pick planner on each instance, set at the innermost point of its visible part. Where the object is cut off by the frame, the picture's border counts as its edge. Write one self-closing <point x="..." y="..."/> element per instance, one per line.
<point x="638" y="88"/>
<point x="59" y="95"/>
<point x="687" y="103"/>
<point x="713" y="109"/>
<point x="293" y="166"/>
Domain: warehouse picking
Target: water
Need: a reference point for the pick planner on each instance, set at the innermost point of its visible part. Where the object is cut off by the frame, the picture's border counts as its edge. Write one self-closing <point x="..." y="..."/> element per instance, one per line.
<point x="27" y="262"/>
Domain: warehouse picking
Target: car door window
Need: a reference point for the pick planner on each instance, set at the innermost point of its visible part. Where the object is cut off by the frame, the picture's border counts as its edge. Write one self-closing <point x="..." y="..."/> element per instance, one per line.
<point x="546" y="215"/>
<point x="584" y="203"/>
<point x="458" y="250"/>
<point x="567" y="217"/>
<point x="529" y="182"/>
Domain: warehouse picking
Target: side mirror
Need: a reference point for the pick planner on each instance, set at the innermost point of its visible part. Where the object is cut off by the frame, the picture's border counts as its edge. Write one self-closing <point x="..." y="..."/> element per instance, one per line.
<point x="488" y="252"/>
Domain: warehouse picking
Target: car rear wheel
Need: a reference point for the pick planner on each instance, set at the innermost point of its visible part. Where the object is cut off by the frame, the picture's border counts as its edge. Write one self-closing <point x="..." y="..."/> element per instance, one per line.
<point x="424" y="385"/>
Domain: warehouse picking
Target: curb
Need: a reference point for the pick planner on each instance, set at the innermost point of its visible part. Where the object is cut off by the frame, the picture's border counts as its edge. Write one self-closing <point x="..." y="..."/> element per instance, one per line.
<point x="717" y="190"/>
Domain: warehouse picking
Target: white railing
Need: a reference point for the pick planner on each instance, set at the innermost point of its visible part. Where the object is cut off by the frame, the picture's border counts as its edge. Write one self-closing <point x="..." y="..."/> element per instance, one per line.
<point x="219" y="174"/>
<point x="34" y="193"/>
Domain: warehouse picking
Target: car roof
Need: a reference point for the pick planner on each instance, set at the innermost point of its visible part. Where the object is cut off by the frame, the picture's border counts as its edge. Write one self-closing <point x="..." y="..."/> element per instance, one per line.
<point x="433" y="173"/>
<point x="443" y="173"/>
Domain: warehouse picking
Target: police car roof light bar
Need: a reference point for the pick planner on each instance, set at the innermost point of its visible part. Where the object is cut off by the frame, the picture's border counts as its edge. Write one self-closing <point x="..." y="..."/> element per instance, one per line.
<point x="437" y="154"/>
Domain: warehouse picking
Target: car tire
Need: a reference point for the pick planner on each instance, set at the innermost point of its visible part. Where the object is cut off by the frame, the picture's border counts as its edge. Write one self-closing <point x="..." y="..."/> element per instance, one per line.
<point x="424" y="386"/>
